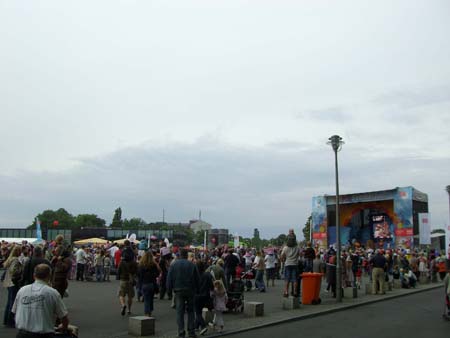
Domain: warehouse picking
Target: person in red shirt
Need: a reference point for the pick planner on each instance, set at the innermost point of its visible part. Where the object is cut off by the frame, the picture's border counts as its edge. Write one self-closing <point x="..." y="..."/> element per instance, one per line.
<point x="118" y="256"/>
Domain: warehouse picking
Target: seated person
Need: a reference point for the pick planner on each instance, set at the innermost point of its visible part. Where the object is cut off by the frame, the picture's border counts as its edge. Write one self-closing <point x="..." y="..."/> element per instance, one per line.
<point x="408" y="278"/>
<point x="396" y="272"/>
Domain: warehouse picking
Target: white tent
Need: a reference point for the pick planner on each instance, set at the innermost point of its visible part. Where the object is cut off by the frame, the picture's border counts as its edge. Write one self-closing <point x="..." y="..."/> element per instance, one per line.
<point x="18" y="240"/>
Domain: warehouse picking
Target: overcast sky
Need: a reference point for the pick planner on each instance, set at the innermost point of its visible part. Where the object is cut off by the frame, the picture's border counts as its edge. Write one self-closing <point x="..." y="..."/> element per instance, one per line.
<point x="223" y="106"/>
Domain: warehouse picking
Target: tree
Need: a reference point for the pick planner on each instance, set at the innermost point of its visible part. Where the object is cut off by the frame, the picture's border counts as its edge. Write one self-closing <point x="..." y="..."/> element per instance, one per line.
<point x="117" y="219"/>
<point x="134" y="223"/>
<point x="279" y="241"/>
<point x="199" y="237"/>
<point x="307" y="229"/>
<point x="256" y="240"/>
<point x="89" y="221"/>
<point x="59" y="219"/>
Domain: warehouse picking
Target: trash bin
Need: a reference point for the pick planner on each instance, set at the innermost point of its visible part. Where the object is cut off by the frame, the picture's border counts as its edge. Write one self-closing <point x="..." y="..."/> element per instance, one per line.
<point x="311" y="282"/>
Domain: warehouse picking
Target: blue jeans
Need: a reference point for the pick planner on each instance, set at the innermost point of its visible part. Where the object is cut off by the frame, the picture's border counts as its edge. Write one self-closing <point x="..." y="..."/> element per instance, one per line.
<point x="8" y="318"/>
<point x="259" y="280"/>
<point x="99" y="273"/>
<point x="184" y="300"/>
<point x="148" y="291"/>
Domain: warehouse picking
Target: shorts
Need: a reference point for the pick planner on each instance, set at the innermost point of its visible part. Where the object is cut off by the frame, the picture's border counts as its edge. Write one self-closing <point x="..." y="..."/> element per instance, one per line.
<point x="126" y="288"/>
<point x="290" y="273"/>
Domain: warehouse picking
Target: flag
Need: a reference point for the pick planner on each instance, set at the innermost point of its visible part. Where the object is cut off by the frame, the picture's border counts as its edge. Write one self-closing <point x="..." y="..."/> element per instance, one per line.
<point x="38" y="230"/>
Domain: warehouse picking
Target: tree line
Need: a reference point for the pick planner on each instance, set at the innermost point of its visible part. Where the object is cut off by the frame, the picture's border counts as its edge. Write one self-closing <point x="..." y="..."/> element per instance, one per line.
<point x="62" y="219"/>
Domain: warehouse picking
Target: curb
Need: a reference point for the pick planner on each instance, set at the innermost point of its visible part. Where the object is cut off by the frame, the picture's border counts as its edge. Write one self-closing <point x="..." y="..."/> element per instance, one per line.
<point x="324" y="312"/>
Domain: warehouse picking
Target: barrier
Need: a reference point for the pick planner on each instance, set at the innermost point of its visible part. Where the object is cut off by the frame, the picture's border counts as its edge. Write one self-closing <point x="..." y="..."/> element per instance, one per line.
<point x="141" y="326"/>
<point x="254" y="309"/>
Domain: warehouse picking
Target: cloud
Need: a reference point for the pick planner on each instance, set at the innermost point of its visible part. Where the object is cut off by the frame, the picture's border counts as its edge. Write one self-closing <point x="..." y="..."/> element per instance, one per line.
<point x="410" y="98"/>
<point x="239" y="188"/>
<point x="333" y="113"/>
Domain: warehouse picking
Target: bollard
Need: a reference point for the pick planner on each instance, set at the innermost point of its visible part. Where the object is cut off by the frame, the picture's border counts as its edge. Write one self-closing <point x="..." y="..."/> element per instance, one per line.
<point x="254" y="309"/>
<point x="141" y="326"/>
<point x="291" y="303"/>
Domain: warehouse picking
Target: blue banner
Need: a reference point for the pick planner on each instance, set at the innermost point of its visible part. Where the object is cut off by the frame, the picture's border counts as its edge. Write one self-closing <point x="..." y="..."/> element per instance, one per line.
<point x="38" y="230"/>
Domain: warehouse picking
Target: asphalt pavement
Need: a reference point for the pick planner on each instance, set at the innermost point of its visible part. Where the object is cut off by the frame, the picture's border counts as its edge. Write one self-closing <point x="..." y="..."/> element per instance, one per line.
<point x="94" y="308"/>
<point x="417" y="315"/>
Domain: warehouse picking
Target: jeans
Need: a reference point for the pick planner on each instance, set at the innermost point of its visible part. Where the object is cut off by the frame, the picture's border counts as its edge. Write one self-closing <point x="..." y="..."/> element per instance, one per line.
<point x="199" y="303"/>
<point x="106" y="273"/>
<point x="8" y="317"/>
<point x="184" y="300"/>
<point x="163" y="287"/>
<point x="259" y="280"/>
<point x="99" y="273"/>
<point x="80" y="271"/>
<point x="148" y="291"/>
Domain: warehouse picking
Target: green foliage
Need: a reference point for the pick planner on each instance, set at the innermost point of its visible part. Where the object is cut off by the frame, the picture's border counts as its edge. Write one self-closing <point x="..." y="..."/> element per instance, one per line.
<point x="199" y="237"/>
<point x="47" y="217"/>
<point x="279" y="241"/>
<point x="89" y="221"/>
<point x="134" y="223"/>
<point x="307" y="229"/>
<point x="117" y="219"/>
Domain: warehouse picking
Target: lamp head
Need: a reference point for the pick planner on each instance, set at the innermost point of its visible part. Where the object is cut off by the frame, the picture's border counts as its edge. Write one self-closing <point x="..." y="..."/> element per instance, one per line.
<point x="336" y="142"/>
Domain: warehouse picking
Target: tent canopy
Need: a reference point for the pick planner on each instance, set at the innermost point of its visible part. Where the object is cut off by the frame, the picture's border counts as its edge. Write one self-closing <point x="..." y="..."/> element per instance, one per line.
<point x="121" y="241"/>
<point x="91" y="241"/>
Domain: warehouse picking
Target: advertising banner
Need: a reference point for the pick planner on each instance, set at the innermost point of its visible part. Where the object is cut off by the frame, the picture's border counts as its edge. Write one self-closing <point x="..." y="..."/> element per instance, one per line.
<point x="403" y="218"/>
<point x="319" y="221"/>
<point x="424" y="229"/>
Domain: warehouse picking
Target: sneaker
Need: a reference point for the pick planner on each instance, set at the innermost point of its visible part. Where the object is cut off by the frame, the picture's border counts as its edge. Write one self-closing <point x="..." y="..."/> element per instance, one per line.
<point x="203" y="331"/>
<point x="124" y="308"/>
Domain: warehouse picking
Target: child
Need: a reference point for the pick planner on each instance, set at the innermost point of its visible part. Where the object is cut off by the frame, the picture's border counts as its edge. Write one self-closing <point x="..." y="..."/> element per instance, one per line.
<point x="107" y="267"/>
<point x="220" y="304"/>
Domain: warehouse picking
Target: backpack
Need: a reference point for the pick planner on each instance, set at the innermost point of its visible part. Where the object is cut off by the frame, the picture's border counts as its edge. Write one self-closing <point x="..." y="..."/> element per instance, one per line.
<point x="16" y="273"/>
<point x="127" y="255"/>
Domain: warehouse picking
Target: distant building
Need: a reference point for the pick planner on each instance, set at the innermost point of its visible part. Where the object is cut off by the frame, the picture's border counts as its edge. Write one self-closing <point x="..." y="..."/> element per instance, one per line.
<point x="200" y="225"/>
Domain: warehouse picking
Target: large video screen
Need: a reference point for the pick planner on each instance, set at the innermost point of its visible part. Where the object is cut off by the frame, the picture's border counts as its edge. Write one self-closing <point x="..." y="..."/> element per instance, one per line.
<point x="381" y="227"/>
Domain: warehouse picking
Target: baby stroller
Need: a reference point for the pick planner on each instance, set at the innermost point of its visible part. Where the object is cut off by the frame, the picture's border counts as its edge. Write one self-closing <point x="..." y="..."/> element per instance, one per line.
<point x="236" y="296"/>
<point x="247" y="277"/>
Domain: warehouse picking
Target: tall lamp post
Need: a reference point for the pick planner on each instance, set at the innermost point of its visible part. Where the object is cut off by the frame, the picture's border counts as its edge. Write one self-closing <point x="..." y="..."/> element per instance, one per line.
<point x="336" y="143"/>
<point x="447" y="231"/>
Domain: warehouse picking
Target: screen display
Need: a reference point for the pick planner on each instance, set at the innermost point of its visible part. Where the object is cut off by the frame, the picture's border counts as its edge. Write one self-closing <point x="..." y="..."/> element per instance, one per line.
<point x="381" y="227"/>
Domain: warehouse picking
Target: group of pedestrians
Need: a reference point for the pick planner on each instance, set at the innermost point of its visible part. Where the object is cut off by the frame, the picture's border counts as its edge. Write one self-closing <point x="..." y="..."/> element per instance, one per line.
<point x="196" y="279"/>
<point x="35" y="288"/>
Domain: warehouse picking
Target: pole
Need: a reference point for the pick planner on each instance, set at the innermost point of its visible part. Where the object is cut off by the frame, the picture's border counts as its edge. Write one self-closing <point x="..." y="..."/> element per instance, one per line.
<point x="447" y="231"/>
<point x="204" y="241"/>
<point x="164" y="215"/>
<point x="338" y="237"/>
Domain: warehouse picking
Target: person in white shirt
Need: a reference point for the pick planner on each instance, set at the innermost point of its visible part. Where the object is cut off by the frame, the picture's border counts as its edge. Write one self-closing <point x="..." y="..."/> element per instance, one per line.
<point x="112" y="251"/>
<point x="270" y="261"/>
<point x="81" y="257"/>
<point x="38" y="305"/>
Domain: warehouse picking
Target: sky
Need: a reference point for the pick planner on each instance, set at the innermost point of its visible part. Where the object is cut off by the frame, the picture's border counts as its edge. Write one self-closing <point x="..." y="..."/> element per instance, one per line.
<point x="220" y="106"/>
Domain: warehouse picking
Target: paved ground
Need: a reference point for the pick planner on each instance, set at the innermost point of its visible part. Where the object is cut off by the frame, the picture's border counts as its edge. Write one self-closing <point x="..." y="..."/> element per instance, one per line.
<point x="95" y="309"/>
<point x="417" y="315"/>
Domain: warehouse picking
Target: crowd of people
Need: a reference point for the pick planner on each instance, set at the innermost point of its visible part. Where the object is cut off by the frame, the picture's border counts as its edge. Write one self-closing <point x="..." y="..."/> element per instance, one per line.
<point x="194" y="279"/>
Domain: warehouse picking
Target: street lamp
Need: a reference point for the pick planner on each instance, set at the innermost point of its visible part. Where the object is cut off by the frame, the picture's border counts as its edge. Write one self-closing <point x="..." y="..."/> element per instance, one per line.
<point x="336" y="143"/>
<point x="447" y="231"/>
